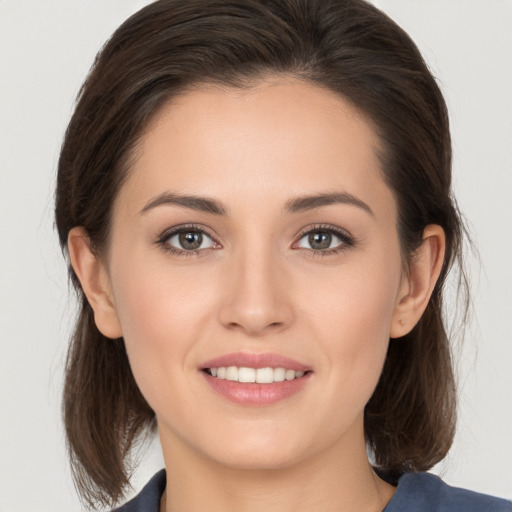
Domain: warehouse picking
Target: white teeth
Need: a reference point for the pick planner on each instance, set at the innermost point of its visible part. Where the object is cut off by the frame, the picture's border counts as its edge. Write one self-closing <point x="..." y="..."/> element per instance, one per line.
<point x="265" y="375"/>
<point x="279" y="374"/>
<point x="289" y="375"/>
<point x="246" y="375"/>
<point x="231" y="373"/>
<point x="259" y="375"/>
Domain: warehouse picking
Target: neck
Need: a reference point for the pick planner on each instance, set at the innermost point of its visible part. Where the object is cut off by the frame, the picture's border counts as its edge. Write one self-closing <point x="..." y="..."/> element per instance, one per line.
<point x="339" y="479"/>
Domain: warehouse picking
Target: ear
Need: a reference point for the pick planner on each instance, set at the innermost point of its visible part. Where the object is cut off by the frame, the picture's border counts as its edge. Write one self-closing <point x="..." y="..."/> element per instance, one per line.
<point x="95" y="281"/>
<point x="424" y="268"/>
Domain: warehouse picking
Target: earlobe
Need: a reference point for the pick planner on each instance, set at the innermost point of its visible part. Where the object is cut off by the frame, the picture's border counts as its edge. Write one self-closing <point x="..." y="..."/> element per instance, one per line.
<point x="95" y="281"/>
<point x="424" y="269"/>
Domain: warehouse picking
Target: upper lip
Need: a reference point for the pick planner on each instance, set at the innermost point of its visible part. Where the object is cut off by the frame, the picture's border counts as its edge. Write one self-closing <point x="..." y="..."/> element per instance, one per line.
<point x="247" y="360"/>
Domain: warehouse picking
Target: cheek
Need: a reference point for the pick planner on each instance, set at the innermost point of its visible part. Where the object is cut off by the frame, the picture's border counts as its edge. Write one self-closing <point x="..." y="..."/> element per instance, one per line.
<point x="358" y="300"/>
<point x="161" y="313"/>
<point x="353" y="317"/>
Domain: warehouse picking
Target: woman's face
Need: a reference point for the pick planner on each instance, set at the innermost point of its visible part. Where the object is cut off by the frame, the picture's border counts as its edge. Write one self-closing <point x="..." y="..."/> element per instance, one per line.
<point x="255" y="230"/>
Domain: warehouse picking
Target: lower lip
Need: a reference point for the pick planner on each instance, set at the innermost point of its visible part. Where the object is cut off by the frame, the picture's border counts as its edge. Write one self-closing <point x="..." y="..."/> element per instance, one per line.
<point x="254" y="394"/>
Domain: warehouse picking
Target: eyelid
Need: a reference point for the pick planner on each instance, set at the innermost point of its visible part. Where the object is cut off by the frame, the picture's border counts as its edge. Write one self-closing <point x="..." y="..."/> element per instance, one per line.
<point x="164" y="237"/>
<point x="168" y="232"/>
<point x="346" y="238"/>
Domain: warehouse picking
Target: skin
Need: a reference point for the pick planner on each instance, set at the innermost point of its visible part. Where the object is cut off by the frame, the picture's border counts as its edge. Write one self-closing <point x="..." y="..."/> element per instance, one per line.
<point x="258" y="286"/>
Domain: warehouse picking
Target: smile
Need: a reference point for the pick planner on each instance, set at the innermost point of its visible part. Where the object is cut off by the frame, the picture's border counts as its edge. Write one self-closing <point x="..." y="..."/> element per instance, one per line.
<point x="254" y="375"/>
<point x="255" y="380"/>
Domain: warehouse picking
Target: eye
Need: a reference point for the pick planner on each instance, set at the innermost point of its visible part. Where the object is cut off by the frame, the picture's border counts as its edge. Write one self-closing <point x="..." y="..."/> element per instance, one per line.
<point x="187" y="239"/>
<point x="190" y="240"/>
<point x="325" y="239"/>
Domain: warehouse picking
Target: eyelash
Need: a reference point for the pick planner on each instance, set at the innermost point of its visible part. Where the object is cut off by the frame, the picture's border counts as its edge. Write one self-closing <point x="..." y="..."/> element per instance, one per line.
<point x="347" y="241"/>
<point x="164" y="238"/>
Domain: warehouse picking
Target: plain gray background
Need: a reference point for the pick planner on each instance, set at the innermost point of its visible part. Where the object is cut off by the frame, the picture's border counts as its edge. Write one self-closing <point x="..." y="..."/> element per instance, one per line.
<point x="46" y="49"/>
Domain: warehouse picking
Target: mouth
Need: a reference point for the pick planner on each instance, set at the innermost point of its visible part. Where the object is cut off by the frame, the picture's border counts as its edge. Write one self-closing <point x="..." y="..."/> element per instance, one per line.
<point x="256" y="379"/>
<point x="266" y="375"/>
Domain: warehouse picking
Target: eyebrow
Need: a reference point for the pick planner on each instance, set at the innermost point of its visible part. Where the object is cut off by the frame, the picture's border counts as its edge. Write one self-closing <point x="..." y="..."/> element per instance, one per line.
<point x="202" y="204"/>
<point x="296" y="205"/>
<point x="301" y="204"/>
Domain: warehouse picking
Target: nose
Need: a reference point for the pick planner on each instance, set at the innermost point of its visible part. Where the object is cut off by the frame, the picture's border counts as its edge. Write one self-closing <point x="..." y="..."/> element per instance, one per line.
<point x="257" y="295"/>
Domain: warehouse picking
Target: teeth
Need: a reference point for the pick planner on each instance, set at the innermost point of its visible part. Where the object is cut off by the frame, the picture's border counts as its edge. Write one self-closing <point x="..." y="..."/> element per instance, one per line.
<point x="259" y="375"/>
<point x="246" y="375"/>
<point x="231" y="373"/>
<point x="265" y="375"/>
<point x="289" y="375"/>
<point x="279" y="374"/>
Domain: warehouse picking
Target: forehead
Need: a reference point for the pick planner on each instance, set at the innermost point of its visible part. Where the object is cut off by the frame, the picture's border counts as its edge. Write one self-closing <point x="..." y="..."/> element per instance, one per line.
<point x="285" y="137"/>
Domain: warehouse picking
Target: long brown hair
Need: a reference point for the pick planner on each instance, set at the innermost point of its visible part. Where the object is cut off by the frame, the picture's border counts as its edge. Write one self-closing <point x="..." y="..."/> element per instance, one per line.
<point x="347" y="46"/>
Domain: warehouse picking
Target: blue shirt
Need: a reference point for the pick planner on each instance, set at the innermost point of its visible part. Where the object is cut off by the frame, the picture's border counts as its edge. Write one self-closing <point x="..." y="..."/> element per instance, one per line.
<point x="416" y="492"/>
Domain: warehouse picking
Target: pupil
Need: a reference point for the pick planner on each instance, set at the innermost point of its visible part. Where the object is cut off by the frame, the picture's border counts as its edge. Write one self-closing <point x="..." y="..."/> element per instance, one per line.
<point x="191" y="240"/>
<point x="320" y="240"/>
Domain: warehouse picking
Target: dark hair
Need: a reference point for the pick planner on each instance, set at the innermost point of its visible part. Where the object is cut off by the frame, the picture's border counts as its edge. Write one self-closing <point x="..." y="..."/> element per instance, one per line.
<point x="346" y="46"/>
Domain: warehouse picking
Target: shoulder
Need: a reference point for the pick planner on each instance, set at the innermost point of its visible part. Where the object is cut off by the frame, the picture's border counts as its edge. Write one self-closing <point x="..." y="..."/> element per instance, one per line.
<point x="424" y="492"/>
<point x="148" y="500"/>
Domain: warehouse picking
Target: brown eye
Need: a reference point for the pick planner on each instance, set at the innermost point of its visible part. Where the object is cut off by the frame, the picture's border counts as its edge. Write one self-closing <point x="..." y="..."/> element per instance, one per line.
<point x="320" y="240"/>
<point x="325" y="240"/>
<point x="189" y="240"/>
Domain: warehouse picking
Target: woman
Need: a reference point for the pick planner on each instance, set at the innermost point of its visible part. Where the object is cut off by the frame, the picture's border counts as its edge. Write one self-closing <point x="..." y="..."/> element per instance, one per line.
<point x="256" y="200"/>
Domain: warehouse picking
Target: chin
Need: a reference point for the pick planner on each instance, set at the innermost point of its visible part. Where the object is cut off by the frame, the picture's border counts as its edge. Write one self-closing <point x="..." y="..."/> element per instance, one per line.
<point x="266" y="451"/>
<point x="248" y="460"/>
